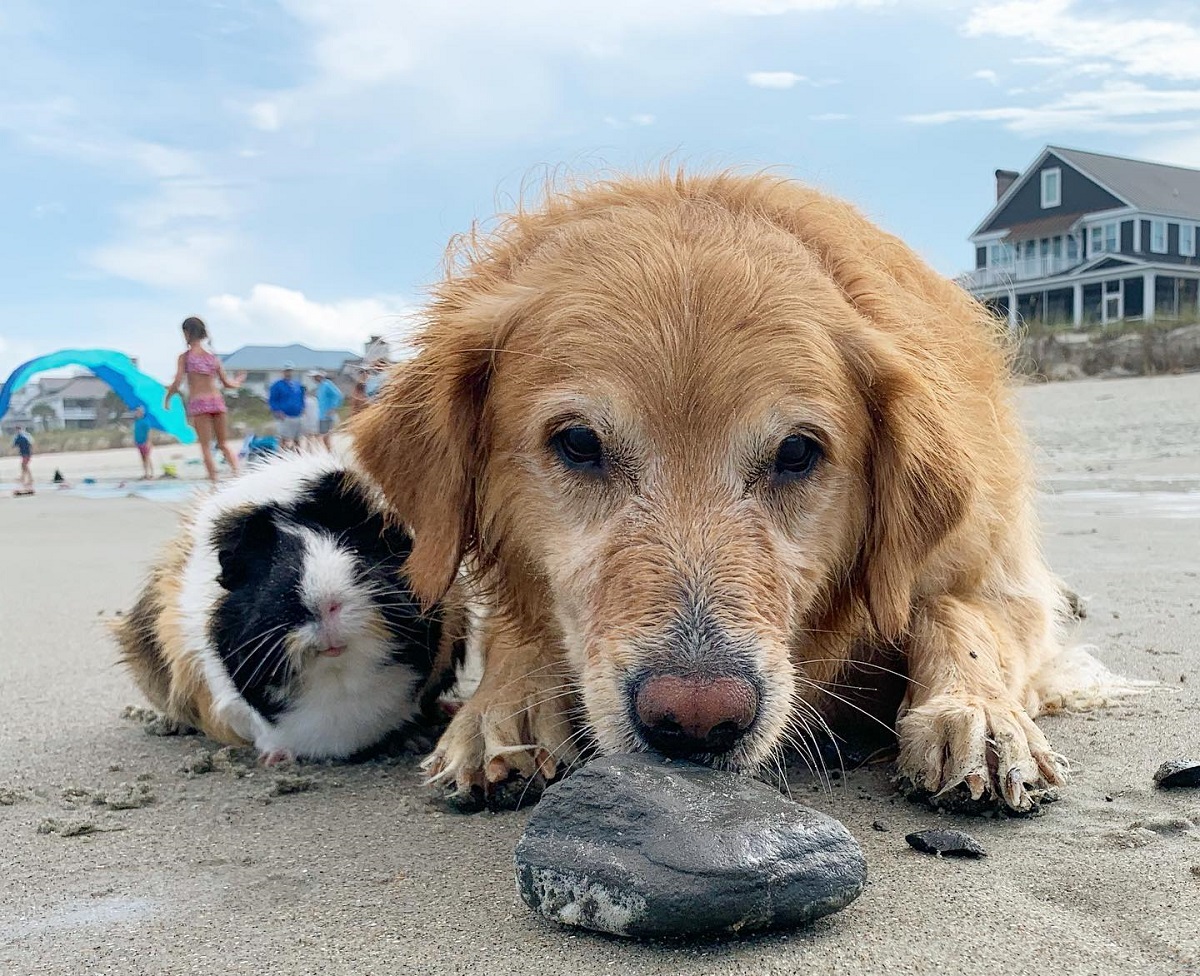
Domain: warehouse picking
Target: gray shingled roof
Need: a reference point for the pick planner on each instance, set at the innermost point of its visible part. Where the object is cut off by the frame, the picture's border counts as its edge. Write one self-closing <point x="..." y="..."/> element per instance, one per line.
<point x="79" y="387"/>
<point x="273" y="357"/>
<point x="1173" y="191"/>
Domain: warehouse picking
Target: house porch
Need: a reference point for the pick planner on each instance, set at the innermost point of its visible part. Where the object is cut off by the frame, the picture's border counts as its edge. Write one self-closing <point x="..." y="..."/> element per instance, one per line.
<point x="1144" y="296"/>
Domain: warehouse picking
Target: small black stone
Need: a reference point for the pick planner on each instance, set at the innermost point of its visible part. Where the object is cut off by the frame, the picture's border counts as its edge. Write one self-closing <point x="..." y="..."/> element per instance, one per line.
<point x="642" y="846"/>
<point x="1177" y="774"/>
<point x="882" y="826"/>
<point x="952" y="843"/>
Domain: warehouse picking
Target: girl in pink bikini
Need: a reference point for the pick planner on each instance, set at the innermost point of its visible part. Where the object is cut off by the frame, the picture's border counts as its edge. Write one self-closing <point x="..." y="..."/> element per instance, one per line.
<point x="206" y="381"/>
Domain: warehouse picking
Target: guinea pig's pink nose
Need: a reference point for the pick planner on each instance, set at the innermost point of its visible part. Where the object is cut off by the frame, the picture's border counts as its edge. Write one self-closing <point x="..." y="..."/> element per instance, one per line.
<point x="688" y="715"/>
<point x="331" y="609"/>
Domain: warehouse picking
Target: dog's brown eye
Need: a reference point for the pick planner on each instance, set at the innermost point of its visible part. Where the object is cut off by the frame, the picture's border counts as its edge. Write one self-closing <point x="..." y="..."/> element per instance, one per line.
<point x="796" y="457"/>
<point x="579" y="448"/>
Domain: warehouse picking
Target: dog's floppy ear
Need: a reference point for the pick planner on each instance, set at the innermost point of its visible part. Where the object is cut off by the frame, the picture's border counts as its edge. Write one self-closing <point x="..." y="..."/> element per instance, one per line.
<point x="422" y="440"/>
<point x="911" y="372"/>
<point x="919" y="475"/>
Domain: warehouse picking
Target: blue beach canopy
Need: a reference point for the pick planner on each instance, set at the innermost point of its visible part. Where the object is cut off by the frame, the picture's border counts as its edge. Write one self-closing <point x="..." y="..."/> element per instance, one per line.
<point x="128" y="382"/>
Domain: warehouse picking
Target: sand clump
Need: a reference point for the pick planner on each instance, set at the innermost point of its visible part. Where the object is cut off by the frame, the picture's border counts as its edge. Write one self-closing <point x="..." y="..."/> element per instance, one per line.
<point x="123" y="796"/>
<point x="154" y="724"/>
<point x="74" y="827"/>
<point x="286" y="784"/>
<point x="237" y="761"/>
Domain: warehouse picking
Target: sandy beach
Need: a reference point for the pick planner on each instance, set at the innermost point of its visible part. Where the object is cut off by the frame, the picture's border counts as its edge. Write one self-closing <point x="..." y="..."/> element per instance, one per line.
<point x="355" y="870"/>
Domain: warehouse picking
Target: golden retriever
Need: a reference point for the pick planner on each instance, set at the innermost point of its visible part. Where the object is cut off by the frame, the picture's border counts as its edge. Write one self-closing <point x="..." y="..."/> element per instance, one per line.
<point x="706" y="441"/>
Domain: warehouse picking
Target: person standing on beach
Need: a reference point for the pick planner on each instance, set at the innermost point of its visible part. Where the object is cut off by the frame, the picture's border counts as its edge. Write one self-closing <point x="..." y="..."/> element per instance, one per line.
<point x="358" y="397"/>
<point x="206" y="383"/>
<point x="286" y="401"/>
<point x="329" y="398"/>
<point x="141" y="439"/>
<point x="23" y="442"/>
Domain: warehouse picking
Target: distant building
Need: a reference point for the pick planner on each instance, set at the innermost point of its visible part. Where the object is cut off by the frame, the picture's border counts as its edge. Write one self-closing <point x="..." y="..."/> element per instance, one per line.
<point x="55" y="402"/>
<point x="1084" y="238"/>
<point x="263" y="365"/>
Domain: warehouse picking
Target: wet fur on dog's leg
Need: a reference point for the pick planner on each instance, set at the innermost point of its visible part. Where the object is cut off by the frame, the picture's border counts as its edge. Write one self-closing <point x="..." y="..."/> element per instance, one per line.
<point x="965" y="721"/>
<point x="517" y="724"/>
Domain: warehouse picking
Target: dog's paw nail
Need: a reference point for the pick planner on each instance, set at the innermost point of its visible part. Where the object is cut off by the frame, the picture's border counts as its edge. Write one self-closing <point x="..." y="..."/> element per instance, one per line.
<point x="496" y="771"/>
<point x="545" y="764"/>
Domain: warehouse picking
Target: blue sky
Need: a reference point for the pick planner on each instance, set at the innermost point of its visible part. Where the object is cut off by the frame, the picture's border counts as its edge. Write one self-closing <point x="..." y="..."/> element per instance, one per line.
<point x="292" y="169"/>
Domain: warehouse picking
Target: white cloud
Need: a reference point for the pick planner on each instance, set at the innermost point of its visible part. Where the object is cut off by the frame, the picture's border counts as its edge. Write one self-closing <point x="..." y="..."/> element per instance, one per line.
<point x="767" y="8"/>
<point x="177" y="234"/>
<point x="1180" y="150"/>
<point x="273" y="314"/>
<point x="13" y="352"/>
<point x="1123" y="107"/>
<point x="775" y="79"/>
<point x="52" y="209"/>
<point x="1150" y="47"/>
<point x="437" y="62"/>
<point x="986" y="74"/>
<point x="265" y="116"/>
<point x="641" y="119"/>
<point x="172" y="259"/>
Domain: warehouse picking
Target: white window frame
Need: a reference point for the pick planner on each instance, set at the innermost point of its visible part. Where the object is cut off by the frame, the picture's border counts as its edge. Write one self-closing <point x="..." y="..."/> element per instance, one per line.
<point x="1047" y="202"/>
<point x="1000" y="255"/>
<point x="1154" y="228"/>
<point x="1188" y="251"/>
<point x="1098" y="238"/>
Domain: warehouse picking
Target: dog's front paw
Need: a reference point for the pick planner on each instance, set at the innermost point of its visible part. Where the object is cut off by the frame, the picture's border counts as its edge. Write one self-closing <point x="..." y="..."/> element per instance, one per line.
<point x="989" y="747"/>
<point x="506" y="742"/>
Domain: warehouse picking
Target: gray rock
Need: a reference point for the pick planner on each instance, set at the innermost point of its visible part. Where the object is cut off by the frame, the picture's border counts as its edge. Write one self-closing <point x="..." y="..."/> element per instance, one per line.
<point x="1178" y="773"/>
<point x="952" y="843"/>
<point x="641" y="846"/>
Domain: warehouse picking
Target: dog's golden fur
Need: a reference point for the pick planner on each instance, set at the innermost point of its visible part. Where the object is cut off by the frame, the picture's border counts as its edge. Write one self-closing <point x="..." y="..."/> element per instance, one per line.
<point x="694" y="321"/>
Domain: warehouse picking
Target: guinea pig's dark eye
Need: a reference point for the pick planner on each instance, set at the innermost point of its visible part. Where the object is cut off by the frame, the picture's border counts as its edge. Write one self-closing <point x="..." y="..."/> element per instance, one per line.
<point x="796" y="457"/>
<point x="579" y="448"/>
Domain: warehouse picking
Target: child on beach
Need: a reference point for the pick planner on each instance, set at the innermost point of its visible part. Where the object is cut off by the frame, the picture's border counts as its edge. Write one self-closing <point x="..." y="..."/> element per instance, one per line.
<point x="328" y="398"/>
<point x="141" y="438"/>
<point x="23" y="442"/>
<point x="206" y="383"/>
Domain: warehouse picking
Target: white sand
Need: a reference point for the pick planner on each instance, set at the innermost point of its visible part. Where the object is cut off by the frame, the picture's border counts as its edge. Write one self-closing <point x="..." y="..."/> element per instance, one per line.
<point x="362" y="875"/>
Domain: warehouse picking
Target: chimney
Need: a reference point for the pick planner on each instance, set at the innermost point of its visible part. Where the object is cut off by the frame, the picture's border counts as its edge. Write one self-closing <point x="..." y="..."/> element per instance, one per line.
<point x="1004" y="179"/>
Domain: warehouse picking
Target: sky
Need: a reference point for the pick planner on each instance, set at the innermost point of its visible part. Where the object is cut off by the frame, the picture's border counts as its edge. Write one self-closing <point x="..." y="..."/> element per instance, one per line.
<point x="291" y="170"/>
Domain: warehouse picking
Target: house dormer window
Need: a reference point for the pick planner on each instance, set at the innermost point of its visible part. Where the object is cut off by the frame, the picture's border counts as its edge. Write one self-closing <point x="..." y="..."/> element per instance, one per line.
<point x="1187" y="240"/>
<point x="1051" y="187"/>
<point x="1158" y="236"/>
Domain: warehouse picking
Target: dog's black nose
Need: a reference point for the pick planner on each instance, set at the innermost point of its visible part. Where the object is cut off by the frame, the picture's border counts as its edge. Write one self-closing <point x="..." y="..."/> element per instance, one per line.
<point x="687" y="716"/>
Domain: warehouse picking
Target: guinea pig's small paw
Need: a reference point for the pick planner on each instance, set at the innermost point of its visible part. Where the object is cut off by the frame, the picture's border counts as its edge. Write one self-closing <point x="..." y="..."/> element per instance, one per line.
<point x="276" y="757"/>
<point x="504" y="745"/>
<point x="987" y="747"/>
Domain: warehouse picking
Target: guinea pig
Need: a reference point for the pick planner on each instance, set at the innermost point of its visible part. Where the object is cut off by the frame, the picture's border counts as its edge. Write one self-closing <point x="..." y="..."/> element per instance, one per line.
<point x="280" y="616"/>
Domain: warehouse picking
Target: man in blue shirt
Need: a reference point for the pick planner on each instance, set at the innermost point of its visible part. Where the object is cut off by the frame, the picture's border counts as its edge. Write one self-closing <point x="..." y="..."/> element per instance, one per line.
<point x="329" y="398"/>
<point x="286" y="401"/>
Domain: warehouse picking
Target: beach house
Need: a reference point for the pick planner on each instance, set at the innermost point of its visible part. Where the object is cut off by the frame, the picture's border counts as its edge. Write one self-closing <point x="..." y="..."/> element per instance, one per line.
<point x="1082" y="238"/>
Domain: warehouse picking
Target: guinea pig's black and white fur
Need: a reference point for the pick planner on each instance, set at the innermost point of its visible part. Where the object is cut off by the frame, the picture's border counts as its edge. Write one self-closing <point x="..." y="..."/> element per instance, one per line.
<point x="281" y="617"/>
